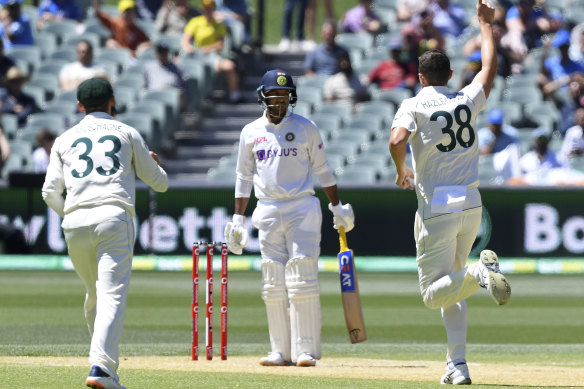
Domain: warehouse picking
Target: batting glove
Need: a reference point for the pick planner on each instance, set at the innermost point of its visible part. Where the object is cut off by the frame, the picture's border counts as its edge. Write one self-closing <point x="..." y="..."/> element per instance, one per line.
<point x="343" y="216"/>
<point x="236" y="235"/>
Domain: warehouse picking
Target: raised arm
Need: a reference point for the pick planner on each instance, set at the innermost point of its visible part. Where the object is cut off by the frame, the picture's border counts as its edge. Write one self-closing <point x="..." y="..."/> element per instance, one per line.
<point x="486" y="76"/>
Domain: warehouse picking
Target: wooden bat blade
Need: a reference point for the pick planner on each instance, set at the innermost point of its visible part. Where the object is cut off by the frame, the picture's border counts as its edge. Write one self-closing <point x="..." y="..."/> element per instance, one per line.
<point x="350" y="293"/>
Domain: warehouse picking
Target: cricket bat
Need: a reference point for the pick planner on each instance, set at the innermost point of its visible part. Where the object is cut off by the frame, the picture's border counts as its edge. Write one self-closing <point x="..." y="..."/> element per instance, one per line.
<point x="350" y="292"/>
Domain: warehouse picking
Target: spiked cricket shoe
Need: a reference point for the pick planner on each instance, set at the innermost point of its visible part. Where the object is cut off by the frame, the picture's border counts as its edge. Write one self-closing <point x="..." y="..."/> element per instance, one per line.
<point x="274" y="359"/>
<point x="305" y="360"/>
<point x="456" y="375"/>
<point x="98" y="379"/>
<point x="492" y="279"/>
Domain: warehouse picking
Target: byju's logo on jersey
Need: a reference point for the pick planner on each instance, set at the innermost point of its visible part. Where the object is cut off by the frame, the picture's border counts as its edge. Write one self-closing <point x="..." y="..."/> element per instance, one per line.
<point x="266" y="154"/>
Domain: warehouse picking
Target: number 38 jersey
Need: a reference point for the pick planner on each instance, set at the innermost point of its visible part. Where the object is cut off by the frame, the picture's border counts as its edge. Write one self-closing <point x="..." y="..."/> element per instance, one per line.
<point x="443" y="139"/>
<point x="97" y="161"/>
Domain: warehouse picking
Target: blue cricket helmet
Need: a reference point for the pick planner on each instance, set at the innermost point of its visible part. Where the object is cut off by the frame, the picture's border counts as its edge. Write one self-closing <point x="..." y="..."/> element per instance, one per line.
<point x="277" y="79"/>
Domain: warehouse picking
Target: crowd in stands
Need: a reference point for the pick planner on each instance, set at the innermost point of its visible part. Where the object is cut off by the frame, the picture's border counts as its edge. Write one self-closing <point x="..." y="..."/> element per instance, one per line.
<point x="363" y="67"/>
<point x="539" y="90"/>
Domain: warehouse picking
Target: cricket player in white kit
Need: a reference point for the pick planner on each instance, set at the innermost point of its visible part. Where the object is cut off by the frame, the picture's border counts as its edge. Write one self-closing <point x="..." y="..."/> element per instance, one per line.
<point x="440" y="127"/>
<point x="96" y="163"/>
<point x="278" y="154"/>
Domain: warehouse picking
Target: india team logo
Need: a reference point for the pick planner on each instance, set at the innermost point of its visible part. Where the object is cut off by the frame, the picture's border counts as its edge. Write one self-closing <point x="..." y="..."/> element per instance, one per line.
<point x="281" y="80"/>
<point x="290" y="136"/>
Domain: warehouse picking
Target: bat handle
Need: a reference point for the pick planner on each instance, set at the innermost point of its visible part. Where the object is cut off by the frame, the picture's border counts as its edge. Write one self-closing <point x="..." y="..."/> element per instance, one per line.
<point x="343" y="239"/>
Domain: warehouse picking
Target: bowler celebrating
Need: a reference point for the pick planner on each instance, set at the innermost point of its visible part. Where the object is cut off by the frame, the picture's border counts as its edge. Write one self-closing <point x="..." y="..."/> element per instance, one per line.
<point x="440" y="127"/>
<point x="278" y="154"/>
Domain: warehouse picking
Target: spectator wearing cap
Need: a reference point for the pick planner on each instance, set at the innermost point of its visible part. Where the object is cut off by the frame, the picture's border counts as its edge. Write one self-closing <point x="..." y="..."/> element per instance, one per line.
<point x="497" y="135"/>
<point x="12" y="98"/>
<point x="173" y="16"/>
<point x="556" y="71"/>
<point x="323" y="59"/>
<point x="573" y="144"/>
<point x="540" y="157"/>
<point x="74" y="73"/>
<point x="16" y="28"/>
<point x="125" y="31"/>
<point x="57" y="11"/>
<point x="449" y="18"/>
<point x="204" y="36"/>
<point x="163" y="73"/>
<point x="396" y="71"/>
<point x="362" y="18"/>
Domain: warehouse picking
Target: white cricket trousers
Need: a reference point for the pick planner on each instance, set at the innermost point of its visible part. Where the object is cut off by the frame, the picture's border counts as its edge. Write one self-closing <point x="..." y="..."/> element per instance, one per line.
<point x="443" y="244"/>
<point x="102" y="257"/>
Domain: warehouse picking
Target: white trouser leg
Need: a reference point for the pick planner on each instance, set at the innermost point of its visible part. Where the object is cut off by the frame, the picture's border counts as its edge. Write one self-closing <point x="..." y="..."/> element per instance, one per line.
<point x="274" y="296"/>
<point x="83" y="256"/>
<point x="455" y="322"/>
<point x="305" y="313"/>
<point x="112" y="248"/>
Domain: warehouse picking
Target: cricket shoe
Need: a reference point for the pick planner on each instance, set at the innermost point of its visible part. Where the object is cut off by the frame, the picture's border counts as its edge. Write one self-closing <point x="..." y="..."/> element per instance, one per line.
<point x="492" y="279"/>
<point x="274" y="359"/>
<point x="98" y="379"/>
<point x="305" y="360"/>
<point x="456" y="374"/>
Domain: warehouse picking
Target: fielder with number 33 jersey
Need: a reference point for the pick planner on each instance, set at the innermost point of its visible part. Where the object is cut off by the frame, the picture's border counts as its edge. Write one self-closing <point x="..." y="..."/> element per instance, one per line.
<point x="440" y="127"/>
<point x="96" y="162"/>
<point x="278" y="155"/>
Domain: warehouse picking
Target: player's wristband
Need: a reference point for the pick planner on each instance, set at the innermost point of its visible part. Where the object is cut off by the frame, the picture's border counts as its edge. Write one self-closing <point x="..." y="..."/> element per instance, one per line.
<point x="238" y="219"/>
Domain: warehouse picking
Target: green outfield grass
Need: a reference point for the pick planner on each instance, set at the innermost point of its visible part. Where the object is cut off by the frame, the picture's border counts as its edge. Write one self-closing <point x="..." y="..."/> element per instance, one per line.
<point x="41" y="314"/>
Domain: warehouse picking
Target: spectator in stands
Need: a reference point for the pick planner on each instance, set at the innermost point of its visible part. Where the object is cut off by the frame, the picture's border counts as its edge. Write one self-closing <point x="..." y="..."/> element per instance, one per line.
<point x="497" y="135"/>
<point x="421" y="35"/>
<point x="526" y="24"/>
<point x="58" y="10"/>
<point x="235" y="14"/>
<point x="173" y="16"/>
<point x="162" y="73"/>
<point x="502" y="141"/>
<point x="74" y="73"/>
<point x="470" y="69"/>
<point x="205" y="35"/>
<point x="345" y="86"/>
<point x="577" y="44"/>
<point x="396" y="71"/>
<point x="449" y="18"/>
<point x="362" y="18"/>
<point x="147" y="9"/>
<point x="16" y="28"/>
<point x="323" y="59"/>
<point x="125" y="31"/>
<point x="573" y="144"/>
<point x="287" y="16"/>
<point x="13" y="99"/>
<point x="310" y="20"/>
<point x="574" y="101"/>
<point x="556" y="71"/>
<point x="4" y="149"/>
<point x="40" y="156"/>
<point x="508" y="62"/>
<point x="5" y="62"/>
<point x="540" y="156"/>
<point x="406" y="9"/>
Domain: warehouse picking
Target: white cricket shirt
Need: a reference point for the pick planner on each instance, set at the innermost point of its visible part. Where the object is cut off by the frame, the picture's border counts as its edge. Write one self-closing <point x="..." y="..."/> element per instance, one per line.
<point x="281" y="158"/>
<point x="443" y="139"/>
<point x="96" y="162"/>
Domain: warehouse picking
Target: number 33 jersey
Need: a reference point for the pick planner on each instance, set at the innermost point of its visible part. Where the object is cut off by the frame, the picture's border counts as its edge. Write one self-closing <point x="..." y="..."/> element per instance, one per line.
<point x="96" y="162"/>
<point x="443" y="136"/>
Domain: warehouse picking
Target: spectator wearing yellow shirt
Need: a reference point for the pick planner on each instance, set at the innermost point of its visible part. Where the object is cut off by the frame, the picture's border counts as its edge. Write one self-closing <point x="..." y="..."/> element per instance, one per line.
<point x="204" y="35"/>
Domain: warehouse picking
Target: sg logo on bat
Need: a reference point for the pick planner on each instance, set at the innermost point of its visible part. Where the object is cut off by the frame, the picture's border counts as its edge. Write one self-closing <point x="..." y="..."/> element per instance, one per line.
<point x="347" y="272"/>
